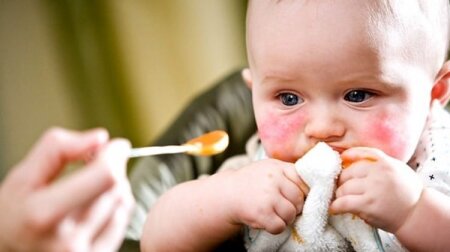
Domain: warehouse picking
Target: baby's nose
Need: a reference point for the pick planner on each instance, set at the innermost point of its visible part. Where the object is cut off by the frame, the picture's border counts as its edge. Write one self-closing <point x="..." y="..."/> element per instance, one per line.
<point x="324" y="126"/>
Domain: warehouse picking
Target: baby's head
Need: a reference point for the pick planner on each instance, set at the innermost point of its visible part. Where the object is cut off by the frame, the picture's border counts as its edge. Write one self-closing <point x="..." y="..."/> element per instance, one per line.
<point x="350" y="73"/>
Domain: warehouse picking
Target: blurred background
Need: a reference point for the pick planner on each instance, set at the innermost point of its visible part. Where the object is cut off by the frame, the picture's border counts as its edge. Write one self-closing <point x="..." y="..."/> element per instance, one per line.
<point x="128" y="66"/>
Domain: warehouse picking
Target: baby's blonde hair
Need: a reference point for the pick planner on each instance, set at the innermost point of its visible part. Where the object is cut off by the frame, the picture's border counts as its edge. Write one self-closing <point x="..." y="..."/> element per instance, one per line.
<point x="423" y="22"/>
<point x="426" y="24"/>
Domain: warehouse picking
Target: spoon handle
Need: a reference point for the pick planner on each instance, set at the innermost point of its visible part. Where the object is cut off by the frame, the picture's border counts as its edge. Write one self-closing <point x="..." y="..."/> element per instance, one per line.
<point x="157" y="150"/>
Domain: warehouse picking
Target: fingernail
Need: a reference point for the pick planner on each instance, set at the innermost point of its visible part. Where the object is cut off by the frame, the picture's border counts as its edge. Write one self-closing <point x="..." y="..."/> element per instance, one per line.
<point x="101" y="134"/>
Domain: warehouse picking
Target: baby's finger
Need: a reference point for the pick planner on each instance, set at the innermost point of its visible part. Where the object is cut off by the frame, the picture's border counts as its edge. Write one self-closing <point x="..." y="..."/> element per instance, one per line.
<point x="292" y="175"/>
<point x="286" y="211"/>
<point x="347" y="204"/>
<point x="351" y="187"/>
<point x="356" y="170"/>
<point x="293" y="194"/>
<point x="274" y="224"/>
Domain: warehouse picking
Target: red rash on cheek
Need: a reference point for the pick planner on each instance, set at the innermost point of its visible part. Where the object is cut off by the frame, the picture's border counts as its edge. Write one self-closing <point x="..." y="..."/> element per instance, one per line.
<point x="380" y="130"/>
<point x="280" y="134"/>
<point x="274" y="130"/>
<point x="384" y="132"/>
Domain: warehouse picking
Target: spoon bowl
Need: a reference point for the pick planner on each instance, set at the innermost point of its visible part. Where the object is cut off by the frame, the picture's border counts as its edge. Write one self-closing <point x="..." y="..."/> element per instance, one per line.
<point x="208" y="144"/>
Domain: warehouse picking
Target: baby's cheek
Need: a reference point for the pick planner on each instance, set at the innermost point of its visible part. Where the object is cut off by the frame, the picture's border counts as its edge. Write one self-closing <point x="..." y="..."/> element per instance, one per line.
<point x="387" y="134"/>
<point x="279" y="136"/>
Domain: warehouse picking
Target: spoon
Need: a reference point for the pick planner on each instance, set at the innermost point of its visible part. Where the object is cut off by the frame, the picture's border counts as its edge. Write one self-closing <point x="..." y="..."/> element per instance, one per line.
<point x="205" y="145"/>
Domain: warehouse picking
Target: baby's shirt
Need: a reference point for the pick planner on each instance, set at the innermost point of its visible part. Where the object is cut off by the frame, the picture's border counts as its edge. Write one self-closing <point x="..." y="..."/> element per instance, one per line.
<point x="432" y="157"/>
<point x="431" y="161"/>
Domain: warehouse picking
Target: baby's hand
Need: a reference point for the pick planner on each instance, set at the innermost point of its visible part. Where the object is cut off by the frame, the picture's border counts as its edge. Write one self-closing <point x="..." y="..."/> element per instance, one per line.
<point x="265" y="195"/>
<point x="380" y="189"/>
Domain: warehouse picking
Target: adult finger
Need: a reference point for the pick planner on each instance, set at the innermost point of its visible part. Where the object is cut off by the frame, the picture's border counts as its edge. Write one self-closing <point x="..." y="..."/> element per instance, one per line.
<point x="49" y="205"/>
<point x="111" y="236"/>
<point x="94" y="217"/>
<point x="108" y="238"/>
<point x="101" y="212"/>
<point x="114" y="156"/>
<point x="83" y="187"/>
<point x="57" y="147"/>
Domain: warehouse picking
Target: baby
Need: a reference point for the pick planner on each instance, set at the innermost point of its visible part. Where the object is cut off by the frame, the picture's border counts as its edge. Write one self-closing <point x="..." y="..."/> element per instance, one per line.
<point x="367" y="77"/>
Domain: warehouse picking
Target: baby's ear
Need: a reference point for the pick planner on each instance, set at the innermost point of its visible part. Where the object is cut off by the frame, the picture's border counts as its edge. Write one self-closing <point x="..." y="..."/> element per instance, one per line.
<point x="247" y="76"/>
<point x="441" y="87"/>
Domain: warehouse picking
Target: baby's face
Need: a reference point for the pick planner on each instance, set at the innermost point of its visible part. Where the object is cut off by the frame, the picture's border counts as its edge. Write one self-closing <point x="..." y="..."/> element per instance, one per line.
<point x="320" y="72"/>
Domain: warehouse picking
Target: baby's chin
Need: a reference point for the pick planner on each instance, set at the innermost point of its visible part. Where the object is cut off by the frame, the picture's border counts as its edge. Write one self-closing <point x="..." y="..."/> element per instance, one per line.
<point x="284" y="154"/>
<point x="284" y="157"/>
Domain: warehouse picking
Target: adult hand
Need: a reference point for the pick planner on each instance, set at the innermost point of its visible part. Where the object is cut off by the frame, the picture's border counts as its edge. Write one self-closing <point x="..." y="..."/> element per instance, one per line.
<point x="85" y="211"/>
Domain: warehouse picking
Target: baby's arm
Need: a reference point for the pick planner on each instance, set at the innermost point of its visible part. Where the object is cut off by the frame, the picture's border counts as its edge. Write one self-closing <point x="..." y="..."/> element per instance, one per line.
<point x="427" y="228"/>
<point x="389" y="195"/>
<point x="199" y="215"/>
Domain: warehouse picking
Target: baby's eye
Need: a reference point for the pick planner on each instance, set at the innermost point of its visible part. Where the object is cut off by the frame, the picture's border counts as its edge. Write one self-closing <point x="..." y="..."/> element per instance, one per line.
<point x="358" y="96"/>
<point x="289" y="99"/>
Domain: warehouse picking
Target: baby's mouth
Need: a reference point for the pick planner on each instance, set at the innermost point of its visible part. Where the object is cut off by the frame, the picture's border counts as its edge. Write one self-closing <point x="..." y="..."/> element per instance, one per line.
<point x="338" y="149"/>
<point x="335" y="146"/>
